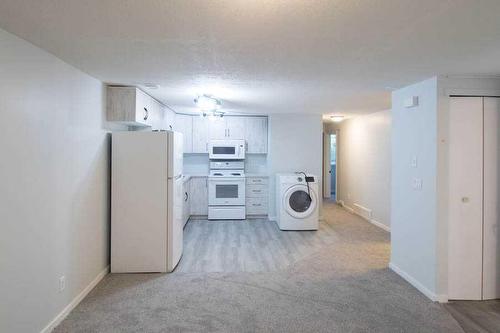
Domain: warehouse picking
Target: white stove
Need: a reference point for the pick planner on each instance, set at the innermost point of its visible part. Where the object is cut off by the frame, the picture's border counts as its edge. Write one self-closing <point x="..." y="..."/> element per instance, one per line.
<point x="226" y="190"/>
<point x="226" y="174"/>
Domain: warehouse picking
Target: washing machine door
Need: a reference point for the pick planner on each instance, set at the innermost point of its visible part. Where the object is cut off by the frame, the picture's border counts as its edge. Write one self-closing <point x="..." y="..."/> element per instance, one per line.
<point x="297" y="202"/>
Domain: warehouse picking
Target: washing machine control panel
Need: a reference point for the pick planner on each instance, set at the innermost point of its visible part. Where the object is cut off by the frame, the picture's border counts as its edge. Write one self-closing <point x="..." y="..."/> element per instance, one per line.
<point x="309" y="179"/>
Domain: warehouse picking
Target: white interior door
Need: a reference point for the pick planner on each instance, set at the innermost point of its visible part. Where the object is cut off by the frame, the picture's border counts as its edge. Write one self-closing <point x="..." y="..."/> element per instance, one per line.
<point x="327" y="175"/>
<point x="465" y="198"/>
<point x="491" y="246"/>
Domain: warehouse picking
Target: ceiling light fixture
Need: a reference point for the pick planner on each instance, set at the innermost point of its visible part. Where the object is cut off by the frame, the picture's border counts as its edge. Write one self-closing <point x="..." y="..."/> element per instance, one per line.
<point x="207" y="103"/>
<point x="213" y="114"/>
<point x="209" y="106"/>
<point x="336" y="119"/>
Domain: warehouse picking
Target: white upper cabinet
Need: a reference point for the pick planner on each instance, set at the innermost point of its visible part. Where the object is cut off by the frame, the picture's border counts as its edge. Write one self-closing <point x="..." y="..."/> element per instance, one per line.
<point x="128" y="105"/>
<point x="235" y="127"/>
<point x="217" y="128"/>
<point x="168" y="118"/>
<point x="256" y="134"/>
<point x="200" y="135"/>
<point x="156" y="115"/>
<point x="227" y="128"/>
<point x="198" y="131"/>
<point x="184" y="124"/>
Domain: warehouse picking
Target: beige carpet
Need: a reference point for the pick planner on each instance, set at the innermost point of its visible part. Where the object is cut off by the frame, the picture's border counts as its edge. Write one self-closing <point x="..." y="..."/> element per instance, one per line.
<point x="342" y="285"/>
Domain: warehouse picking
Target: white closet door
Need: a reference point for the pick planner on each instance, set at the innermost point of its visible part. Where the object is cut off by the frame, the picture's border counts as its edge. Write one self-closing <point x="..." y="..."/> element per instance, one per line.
<point x="465" y="198"/>
<point x="491" y="228"/>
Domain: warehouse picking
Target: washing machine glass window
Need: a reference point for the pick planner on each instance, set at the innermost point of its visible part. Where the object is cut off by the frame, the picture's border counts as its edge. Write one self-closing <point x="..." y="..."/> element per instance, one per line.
<point x="300" y="201"/>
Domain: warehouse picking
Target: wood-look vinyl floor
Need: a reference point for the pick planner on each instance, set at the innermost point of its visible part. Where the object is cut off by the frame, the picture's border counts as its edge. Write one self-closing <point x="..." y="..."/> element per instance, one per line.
<point x="476" y="316"/>
<point x="247" y="245"/>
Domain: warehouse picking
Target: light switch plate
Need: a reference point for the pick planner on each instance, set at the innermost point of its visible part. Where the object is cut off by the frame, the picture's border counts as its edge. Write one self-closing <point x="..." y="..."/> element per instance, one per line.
<point x="414" y="161"/>
<point x="411" y="102"/>
<point x="417" y="184"/>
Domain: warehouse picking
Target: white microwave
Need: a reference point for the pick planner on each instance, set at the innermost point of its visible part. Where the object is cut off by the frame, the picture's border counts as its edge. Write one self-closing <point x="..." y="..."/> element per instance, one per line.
<point x="226" y="149"/>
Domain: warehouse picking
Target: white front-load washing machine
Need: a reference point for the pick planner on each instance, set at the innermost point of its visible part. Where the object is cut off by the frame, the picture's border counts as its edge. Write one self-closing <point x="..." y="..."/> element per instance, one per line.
<point x="297" y="201"/>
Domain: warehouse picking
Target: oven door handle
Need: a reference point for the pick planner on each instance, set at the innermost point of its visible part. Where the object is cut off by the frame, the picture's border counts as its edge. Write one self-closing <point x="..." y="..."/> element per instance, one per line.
<point x="227" y="180"/>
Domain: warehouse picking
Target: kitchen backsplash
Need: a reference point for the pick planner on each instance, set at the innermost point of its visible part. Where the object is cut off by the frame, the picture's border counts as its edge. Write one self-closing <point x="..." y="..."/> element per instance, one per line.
<point x="198" y="163"/>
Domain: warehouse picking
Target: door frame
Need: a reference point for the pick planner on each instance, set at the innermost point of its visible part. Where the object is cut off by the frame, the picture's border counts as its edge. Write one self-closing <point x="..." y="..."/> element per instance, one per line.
<point x="327" y="181"/>
<point x="327" y="175"/>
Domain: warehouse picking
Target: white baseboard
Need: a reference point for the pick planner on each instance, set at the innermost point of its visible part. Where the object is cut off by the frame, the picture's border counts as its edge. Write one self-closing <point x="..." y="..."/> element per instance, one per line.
<point x="380" y="225"/>
<point x="420" y="287"/>
<point x="65" y="312"/>
<point x="372" y="221"/>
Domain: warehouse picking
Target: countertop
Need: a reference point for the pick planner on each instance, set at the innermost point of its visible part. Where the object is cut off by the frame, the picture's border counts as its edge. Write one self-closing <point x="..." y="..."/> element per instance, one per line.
<point x="188" y="176"/>
<point x="196" y="175"/>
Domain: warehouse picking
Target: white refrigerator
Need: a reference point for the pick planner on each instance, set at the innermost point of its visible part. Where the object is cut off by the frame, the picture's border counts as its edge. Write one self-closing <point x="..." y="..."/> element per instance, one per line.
<point x="146" y="201"/>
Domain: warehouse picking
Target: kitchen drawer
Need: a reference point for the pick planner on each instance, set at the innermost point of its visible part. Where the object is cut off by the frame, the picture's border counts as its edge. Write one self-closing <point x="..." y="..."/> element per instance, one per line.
<point x="256" y="191"/>
<point x="257" y="180"/>
<point x="256" y="206"/>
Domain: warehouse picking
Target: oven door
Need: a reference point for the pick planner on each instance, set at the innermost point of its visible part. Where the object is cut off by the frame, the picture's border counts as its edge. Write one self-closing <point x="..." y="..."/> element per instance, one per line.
<point x="226" y="191"/>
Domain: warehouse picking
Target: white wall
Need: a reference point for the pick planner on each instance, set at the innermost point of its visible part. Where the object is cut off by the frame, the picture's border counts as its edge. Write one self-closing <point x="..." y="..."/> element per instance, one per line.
<point x="414" y="213"/>
<point x="295" y="144"/>
<point x="364" y="164"/>
<point x="199" y="164"/>
<point x="55" y="184"/>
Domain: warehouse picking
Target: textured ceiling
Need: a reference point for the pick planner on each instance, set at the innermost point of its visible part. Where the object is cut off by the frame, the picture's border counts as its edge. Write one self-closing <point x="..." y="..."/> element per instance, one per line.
<point x="266" y="56"/>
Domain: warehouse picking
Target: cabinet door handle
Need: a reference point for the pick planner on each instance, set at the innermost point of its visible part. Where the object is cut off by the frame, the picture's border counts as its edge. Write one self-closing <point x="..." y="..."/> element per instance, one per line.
<point x="206" y="147"/>
<point x="256" y="205"/>
<point x="186" y="196"/>
<point x="146" y="114"/>
<point x="257" y="191"/>
<point x="228" y="132"/>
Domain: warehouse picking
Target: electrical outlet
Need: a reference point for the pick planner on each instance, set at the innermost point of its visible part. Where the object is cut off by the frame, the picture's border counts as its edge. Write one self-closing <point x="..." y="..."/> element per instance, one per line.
<point x="62" y="283"/>
<point x="414" y="161"/>
<point x="417" y="184"/>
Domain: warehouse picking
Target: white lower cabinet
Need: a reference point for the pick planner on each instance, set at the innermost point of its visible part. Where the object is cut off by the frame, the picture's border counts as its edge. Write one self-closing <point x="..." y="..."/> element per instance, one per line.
<point x="257" y="196"/>
<point x="199" y="196"/>
<point x="196" y="197"/>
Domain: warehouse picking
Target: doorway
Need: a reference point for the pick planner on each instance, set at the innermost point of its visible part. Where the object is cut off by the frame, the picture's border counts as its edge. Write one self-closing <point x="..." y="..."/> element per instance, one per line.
<point x="330" y="165"/>
<point x="333" y="167"/>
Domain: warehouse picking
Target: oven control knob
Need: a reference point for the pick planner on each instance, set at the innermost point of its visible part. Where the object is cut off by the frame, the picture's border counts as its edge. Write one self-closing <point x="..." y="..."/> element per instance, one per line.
<point x="299" y="179"/>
